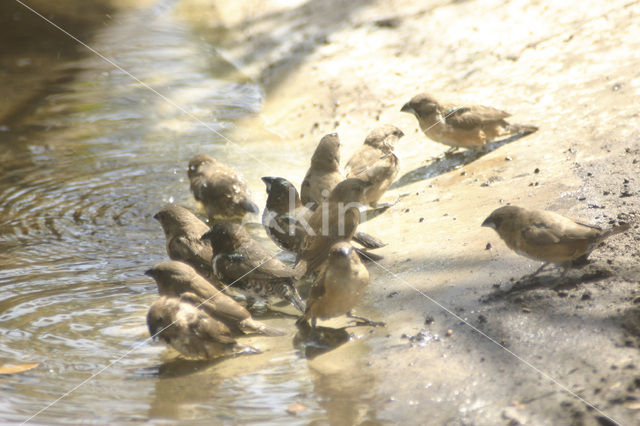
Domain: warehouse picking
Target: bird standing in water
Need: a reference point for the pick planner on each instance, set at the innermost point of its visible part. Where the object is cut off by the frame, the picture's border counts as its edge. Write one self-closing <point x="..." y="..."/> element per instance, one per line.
<point x="241" y="262"/>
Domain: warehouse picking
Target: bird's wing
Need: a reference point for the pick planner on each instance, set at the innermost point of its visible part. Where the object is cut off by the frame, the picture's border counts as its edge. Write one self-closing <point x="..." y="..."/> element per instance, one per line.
<point x="251" y="261"/>
<point x="204" y="326"/>
<point x="540" y="234"/>
<point x="191" y="251"/>
<point x="317" y="290"/>
<point x="471" y="117"/>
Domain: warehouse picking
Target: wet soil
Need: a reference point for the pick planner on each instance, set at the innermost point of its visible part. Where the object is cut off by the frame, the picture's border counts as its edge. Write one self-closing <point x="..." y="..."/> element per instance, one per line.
<point x="466" y="341"/>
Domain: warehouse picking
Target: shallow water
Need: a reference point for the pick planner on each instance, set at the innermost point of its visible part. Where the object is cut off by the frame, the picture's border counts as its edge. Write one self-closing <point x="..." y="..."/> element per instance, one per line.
<point x="84" y="169"/>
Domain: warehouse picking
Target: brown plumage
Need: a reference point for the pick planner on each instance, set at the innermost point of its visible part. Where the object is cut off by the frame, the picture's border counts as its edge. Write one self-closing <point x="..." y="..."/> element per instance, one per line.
<point x="221" y="190"/>
<point x="241" y="262"/>
<point x="547" y="236"/>
<point x="175" y="278"/>
<point x="324" y="173"/>
<point x="334" y="221"/>
<point x="468" y="127"/>
<point x="339" y="285"/>
<point x="375" y="162"/>
<point x="190" y="331"/>
<point x="182" y="230"/>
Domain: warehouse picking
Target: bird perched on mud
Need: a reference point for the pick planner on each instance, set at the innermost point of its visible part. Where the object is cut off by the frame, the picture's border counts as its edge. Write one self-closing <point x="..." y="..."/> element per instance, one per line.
<point x="182" y="230"/>
<point x="324" y="173"/>
<point x="375" y="162"/>
<point x="175" y="278"/>
<point x="468" y="127"/>
<point x="181" y="324"/>
<point x="221" y="190"/>
<point x="286" y="220"/>
<point x="547" y="236"/>
<point x="241" y="262"/>
<point x="333" y="221"/>
<point x="339" y="285"/>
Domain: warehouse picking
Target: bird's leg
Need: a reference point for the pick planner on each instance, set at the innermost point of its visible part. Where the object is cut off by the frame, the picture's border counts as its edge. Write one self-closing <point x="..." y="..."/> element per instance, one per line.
<point x="451" y="150"/>
<point x="250" y="302"/>
<point x="536" y="272"/>
<point x="364" y="321"/>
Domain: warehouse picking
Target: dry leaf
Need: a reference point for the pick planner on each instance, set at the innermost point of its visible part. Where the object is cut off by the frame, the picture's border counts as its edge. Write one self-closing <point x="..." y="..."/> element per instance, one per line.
<point x="296" y="408"/>
<point x="17" y="368"/>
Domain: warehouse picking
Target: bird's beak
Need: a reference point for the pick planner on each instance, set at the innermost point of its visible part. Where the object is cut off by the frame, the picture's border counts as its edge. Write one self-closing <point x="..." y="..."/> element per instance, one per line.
<point x="149" y="272"/>
<point x="268" y="180"/>
<point x="489" y="223"/>
<point x="400" y="134"/>
<point x="407" y="108"/>
<point x="156" y="216"/>
<point x="250" y="206"/>
<point x="207" y="235"/>
<point x="346" y="251"/>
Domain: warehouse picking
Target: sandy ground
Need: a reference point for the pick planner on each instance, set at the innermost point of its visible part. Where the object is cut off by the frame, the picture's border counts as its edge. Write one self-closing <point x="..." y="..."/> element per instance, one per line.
<point x="462" y="344"/>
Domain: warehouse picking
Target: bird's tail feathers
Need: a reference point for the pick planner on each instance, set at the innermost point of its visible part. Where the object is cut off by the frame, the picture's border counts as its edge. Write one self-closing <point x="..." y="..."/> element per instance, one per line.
<point x="368" y="241"/>
<point x="615" y="230"/>
<point x="296" y="300"/>
<point x="300" y="269"/>
<point x="367" y="256"/>
<point x="522" y="129"/>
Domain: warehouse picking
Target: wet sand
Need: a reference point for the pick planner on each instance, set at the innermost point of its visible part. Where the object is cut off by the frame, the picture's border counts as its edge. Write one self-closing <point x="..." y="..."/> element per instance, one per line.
<point x="462" y="343"/>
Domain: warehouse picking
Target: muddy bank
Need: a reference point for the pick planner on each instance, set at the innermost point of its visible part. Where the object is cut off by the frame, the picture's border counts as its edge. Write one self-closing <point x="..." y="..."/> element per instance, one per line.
<point x="348" y="66"/>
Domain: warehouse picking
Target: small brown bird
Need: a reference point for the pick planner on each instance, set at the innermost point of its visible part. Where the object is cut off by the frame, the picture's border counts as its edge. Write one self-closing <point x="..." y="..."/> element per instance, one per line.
<point x="182" y="230"/>
<point x="333" y="221"/>
<point x="324" y="173"/>
<point x="241" y="262"/>
<point x="286" y="220"/>
<point x="375" y="162"/>
<point x="221" y="190"/>
<point x="468" y="127"/>
<point x="190" y="331"/>
<point x="547" y="236"/>
<point x="176" y="278"/>
<point x="339" y="285"/>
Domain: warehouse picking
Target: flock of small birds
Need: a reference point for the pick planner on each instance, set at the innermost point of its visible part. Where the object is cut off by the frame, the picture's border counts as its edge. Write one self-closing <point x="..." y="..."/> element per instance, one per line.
<point x="197" y="317"/>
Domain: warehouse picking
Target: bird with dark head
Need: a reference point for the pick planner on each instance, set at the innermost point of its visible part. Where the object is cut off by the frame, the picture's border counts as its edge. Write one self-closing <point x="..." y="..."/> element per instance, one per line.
<point x="333" y="221"/>
<point x="182" y="230"/>
<point x="286" y="220"/>
<point x="375" y="162"/>
<point x="241" y="262"/>
<point x="338" y="286"/>
<point x="324" y="173"/>
<point x="221" y="190"/>
<point x="284" y="217"/>
<point x="468" y="127"/>
<point x="175" y="278"/>
<point x="546" y="236"/>
<point x="179" y="323"/>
